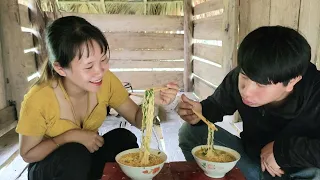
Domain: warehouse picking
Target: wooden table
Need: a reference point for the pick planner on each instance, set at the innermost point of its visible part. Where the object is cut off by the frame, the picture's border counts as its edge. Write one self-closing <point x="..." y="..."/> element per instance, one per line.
<point x="172" y="171"/>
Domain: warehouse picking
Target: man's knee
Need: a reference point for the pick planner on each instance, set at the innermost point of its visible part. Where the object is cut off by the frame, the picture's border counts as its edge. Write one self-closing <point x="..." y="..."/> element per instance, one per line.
<point x="192" y="135"/>
<point x="309" y="173"/>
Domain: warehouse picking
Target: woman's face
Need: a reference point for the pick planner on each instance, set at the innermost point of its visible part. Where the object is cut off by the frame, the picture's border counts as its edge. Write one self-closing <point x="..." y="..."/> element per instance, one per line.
<point x="87" y="72"/>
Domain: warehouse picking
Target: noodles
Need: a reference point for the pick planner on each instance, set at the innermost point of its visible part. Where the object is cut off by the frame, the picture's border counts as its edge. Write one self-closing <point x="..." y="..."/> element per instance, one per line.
<point x="216" y="156"/>
<point x="133" y="159"/>
<point x="147" y="123"/>
<point x="210" y="142"/>
<point x="144" y="158"/>
<point x="211" y="154"/>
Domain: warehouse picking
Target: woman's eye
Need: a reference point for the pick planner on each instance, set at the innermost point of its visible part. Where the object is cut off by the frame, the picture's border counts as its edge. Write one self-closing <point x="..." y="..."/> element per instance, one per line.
<point x="89" y="67"/>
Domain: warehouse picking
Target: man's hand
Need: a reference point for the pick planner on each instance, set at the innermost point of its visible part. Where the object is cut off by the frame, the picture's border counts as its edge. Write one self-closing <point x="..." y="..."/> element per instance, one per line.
<point x="185" y="108"/>
<point x="268" y="162"/>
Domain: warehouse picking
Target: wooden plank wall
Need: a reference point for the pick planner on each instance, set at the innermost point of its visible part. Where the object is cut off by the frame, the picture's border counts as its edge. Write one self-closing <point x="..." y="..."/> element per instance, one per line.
<point x="140" y="45"/>
<point x="214" y="48"/>
<point x="15" y="64"/>
<point x="301" y="15"/>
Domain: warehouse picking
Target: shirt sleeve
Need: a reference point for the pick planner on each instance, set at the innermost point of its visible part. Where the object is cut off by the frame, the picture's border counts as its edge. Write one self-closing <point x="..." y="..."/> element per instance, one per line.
<point x="31" y="121"/>
<point x="118" y="94"/>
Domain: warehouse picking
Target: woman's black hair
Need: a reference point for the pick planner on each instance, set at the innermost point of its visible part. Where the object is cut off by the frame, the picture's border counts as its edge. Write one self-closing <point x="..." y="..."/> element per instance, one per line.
<point x="65" y="38"/>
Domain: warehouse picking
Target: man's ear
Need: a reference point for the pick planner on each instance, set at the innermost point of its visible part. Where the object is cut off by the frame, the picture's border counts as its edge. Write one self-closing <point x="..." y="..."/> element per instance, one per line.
<point x="60" y="70"/>
<point x="292" y="83"/>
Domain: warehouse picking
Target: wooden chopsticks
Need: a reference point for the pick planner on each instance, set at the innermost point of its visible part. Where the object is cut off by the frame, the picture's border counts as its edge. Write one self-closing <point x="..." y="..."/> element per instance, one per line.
<point x="155" y="89"/>
<point x="135" y="94"/>
<point x="211" y="125"/>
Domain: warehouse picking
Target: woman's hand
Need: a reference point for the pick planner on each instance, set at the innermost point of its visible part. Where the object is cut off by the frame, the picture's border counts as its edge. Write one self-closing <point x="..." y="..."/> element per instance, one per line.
<point x="91" y="140"/>
<point x="167" y="96"/>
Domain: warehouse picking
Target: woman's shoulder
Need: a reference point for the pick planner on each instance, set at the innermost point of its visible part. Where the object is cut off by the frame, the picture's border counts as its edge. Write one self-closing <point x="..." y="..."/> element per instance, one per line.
<point x="39" y="94"/>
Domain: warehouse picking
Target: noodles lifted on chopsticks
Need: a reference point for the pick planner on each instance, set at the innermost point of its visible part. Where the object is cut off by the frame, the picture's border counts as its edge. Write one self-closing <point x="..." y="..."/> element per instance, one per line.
<point x="147" y="123"/>
<point x="144" y="158"/>
<point x="209" y="153"/>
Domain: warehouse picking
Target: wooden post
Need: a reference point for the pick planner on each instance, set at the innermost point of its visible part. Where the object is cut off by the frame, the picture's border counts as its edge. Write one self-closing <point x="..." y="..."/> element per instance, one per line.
<point x="3" y="99"/>
<point x="188" y="47"/>
<point x="12" y="51"/>
<point x="230" y="38"/>
<point x="230" y="34"/>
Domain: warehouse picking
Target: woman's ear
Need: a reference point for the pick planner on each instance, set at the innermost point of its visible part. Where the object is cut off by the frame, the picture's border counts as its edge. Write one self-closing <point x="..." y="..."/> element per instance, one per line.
<point x="60" y="70"/>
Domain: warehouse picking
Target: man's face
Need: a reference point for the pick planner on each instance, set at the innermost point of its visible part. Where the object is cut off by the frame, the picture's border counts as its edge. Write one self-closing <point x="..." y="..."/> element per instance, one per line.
<point x="254" y="94"/>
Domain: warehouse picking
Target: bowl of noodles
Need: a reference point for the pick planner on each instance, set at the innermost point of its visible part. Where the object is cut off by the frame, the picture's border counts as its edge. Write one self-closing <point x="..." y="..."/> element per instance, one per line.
<point x="131" y="164"/>
<point x="216" y="161"/>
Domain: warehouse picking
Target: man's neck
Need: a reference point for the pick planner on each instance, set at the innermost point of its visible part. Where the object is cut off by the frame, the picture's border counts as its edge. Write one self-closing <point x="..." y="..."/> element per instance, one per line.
<point x="281" y="100"/>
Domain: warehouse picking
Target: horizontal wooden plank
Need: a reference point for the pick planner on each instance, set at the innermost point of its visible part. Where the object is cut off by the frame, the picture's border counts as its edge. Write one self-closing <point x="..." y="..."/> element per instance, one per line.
<point x="27" y="40"/>
<point x="143" y="80"/>
<point x="285" y="13"/>
<point x="208" y="6"/>
<point x="146" y="55"/>
<point x="208" y="28"/>
<point x="7" y="114"/>
<point x="9" y="145"/>
<point x="145" y="64"/>
<point x="145" y="41"/>
<point x="208" y="72"/>
<point x="208" y="52"/>
<point x="7" y="126"/>
<point x="202" y="89"/>
<point x="29" y="58"/>
<point x="132" y="23"/>
<point x="24" y="16"/>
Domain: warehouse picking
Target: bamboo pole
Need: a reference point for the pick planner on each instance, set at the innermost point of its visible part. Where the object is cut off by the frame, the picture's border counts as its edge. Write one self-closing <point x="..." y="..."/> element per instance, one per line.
<point x="103" y="5"/>
<point x="188" y="48"/>
<point x="114" y="2"/>
<point x="145" y="7"/>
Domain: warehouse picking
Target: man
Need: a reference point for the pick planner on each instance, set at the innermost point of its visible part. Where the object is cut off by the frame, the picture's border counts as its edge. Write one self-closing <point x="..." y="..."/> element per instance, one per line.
<point x="276" y="90"/>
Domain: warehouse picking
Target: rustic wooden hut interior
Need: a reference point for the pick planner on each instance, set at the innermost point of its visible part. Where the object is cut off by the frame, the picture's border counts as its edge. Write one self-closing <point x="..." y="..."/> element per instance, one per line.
<point x="191" y="42"/>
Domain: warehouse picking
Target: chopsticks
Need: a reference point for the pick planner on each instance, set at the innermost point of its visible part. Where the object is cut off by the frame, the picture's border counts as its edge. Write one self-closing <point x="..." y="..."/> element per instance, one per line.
<point x="155" y="89"/>
<point x="211" y="125"/>
<point x="135" y="94"/>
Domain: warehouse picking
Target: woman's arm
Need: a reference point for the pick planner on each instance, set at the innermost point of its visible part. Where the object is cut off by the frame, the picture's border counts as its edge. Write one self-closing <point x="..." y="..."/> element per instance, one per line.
<point x="131" y="112"/>
<point x="34" y="149"/>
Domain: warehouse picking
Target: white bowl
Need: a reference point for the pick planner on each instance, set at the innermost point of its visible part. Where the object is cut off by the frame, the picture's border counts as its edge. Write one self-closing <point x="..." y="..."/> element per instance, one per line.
<point x="142" y="173"/>
<point x="216" y="169"/>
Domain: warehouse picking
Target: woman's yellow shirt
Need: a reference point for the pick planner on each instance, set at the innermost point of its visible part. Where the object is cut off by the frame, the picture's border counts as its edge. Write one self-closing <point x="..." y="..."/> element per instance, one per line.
<point x="40" y="111"/>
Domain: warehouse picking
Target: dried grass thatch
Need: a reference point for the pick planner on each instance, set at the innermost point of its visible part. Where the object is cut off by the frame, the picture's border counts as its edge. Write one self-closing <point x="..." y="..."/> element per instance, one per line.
<point x="143" y="7"/>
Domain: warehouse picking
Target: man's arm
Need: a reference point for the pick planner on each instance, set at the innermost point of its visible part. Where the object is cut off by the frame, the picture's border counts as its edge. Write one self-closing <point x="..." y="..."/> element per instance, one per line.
<point x="297" y="151"/>
<point x="222" y="101"/>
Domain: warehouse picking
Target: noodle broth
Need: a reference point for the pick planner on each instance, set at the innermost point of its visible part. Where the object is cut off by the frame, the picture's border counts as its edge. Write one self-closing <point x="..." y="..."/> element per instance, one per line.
<point x="217" y="155"/>
<point x="132" y="159"/>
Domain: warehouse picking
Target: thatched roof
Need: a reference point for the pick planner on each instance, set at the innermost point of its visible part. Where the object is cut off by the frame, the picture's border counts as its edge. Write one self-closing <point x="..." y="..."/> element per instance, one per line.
<point x="137" y="7"/>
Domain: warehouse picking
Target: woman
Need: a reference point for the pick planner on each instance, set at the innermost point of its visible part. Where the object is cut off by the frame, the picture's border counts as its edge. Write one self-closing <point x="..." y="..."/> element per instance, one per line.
<point x="61" y="113"/>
